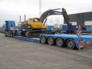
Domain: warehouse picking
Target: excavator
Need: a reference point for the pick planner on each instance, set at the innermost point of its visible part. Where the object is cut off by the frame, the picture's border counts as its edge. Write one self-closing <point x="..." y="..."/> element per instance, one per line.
<point x="37" y="25"/>
<point x="34" y="24"/>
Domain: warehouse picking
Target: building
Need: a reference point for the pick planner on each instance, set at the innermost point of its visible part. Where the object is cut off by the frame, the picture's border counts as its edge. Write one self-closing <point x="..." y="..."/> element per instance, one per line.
<point x="81" y="18"/>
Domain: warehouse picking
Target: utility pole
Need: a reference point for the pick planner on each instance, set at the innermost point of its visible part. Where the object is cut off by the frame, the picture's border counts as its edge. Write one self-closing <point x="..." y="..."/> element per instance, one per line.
<point x="19" y="19"/>
<point x="40" y="7"/>
<point x="24" y="17"/>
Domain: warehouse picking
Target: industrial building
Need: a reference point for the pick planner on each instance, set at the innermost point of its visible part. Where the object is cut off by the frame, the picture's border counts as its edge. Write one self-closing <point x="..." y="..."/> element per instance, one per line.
<point x="81" y="18"/>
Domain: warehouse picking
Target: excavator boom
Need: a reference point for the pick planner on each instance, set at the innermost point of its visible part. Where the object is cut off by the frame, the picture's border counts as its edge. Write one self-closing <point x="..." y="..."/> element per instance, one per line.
<point x="50" y="12"/>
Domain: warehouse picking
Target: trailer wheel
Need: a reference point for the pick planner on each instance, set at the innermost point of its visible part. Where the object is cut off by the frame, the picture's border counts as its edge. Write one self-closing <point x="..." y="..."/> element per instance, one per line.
<point x="59" y="42"/>
<point x="50" y="41"/>
<point x="43" y="40"/>
<point x="6" y="34"/>
<point x="27" y="33"/>
<point x="10" y="34"/>
<point x="70" y="43"/>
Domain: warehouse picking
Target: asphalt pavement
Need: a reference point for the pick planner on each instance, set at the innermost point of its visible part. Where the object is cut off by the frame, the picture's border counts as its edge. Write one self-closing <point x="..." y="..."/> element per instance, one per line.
<point x="17" y="54"/>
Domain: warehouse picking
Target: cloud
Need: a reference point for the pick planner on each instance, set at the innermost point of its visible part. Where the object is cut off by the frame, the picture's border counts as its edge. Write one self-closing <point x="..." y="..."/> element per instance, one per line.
<point x="12" y="9"/>
<point x="72" y="6"/>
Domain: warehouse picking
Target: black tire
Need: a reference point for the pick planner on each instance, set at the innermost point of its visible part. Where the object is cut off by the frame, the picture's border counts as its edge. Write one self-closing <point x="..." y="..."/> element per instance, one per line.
<point x="70" y="43"/>
<point x="50" y="41"/>
<point x="43" y="40"/>
<point x="10" y="34"/>
<point x="6" y="34"/>
<point x="27" y="33"/>
<point x="23" y="33"/>
<point x="59" y="42"/>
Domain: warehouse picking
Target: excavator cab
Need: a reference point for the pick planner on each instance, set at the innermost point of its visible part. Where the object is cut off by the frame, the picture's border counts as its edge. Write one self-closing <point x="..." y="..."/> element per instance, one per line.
<point x="36" y="20"/>
<point x="35" y="23"/>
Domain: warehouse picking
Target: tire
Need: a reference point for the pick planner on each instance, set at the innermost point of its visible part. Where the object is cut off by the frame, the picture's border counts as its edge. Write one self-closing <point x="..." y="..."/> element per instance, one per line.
<point x="28" y="34"/>
<point x="10" y="34"/>
<point x="70" y="43"/>
<point x="6" y="34"/>
<point x="43" y="40"/>
<point x="59" y="42"/>
<point x="50" y="41"/>
<point x="23" y="33"/>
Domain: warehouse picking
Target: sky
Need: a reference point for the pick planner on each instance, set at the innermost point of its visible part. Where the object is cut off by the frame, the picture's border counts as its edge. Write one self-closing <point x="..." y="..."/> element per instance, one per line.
<point x="12" y="9"/>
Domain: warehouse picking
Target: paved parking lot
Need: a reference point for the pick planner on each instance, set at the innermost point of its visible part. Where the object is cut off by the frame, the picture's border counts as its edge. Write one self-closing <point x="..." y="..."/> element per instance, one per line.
<point x="16" y="54"/>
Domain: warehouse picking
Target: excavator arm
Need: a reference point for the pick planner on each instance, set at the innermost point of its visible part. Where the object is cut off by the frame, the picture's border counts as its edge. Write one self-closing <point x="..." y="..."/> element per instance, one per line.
<point x="44" y="16"/>
<point x="57" y="12"/>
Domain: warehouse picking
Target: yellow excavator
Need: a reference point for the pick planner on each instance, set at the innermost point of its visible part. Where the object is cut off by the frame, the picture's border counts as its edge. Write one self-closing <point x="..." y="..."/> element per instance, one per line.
<point x="33" y="27"/>
<point x="37" y="25"/>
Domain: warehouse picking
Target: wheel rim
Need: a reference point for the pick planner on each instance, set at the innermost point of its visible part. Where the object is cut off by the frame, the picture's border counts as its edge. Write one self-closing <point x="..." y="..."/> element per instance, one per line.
<point x="43" y="40"/>
<point x="27" y="34"/>
<point x="50" y="41"/>
<point x="70" y="44"/>
<point x="59" y="42"/>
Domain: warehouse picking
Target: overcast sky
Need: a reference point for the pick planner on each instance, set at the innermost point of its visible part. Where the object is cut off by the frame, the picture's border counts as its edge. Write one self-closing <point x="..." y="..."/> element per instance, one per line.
<point x="12" y="9"/>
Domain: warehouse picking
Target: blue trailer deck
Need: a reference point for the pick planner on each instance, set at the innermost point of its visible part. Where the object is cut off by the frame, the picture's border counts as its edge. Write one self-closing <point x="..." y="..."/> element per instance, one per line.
<point x="76" y="38"/>
<point x="70" y="40"/>
<point x="61" y="35"/>
<point x="37" y="40"/>
<point x="86" y="38"/>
